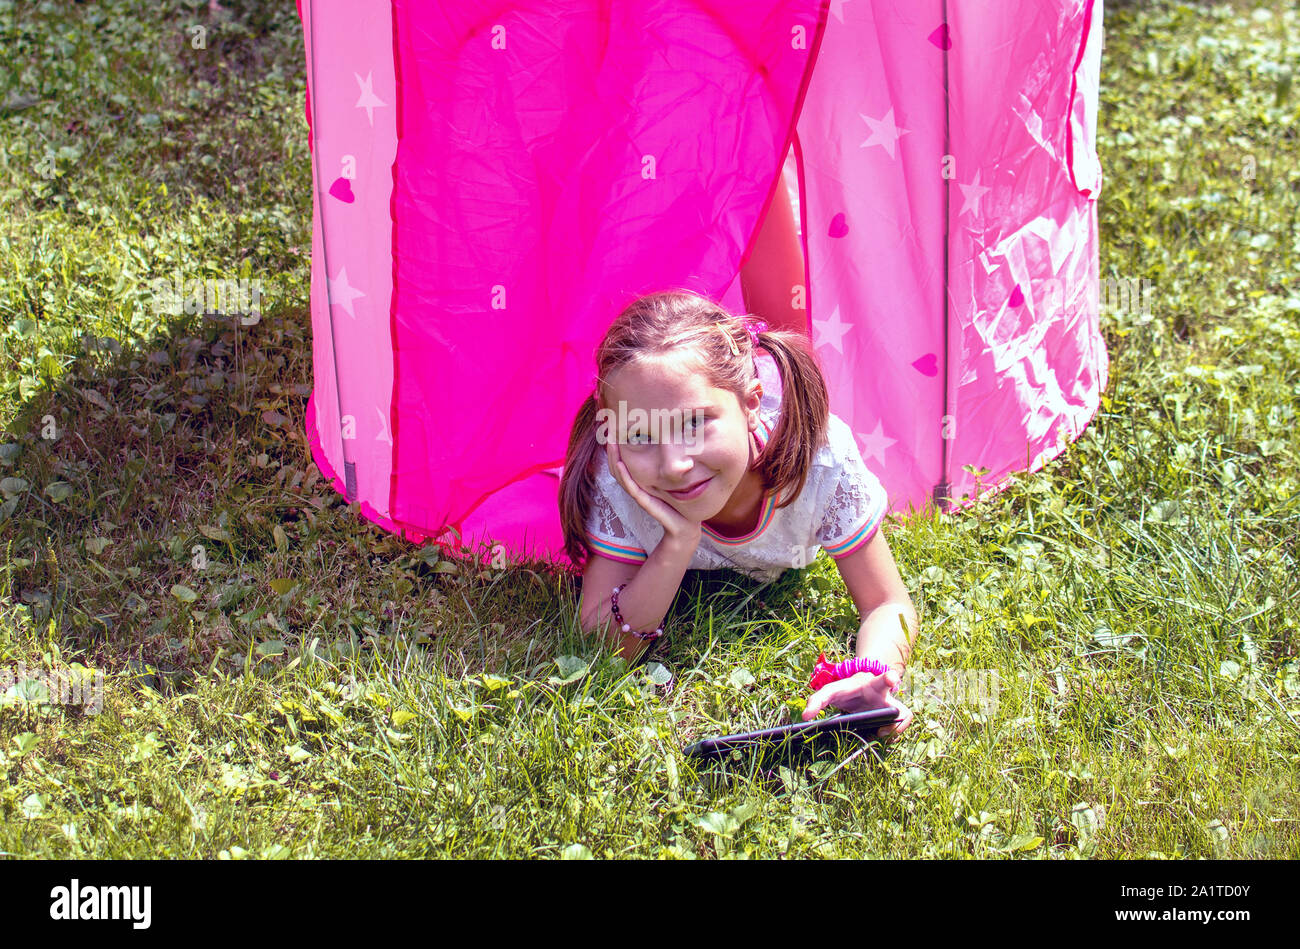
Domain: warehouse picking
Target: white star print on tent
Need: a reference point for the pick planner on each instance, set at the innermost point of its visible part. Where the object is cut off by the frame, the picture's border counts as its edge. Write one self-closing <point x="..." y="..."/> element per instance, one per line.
<point x="368" y="100"/>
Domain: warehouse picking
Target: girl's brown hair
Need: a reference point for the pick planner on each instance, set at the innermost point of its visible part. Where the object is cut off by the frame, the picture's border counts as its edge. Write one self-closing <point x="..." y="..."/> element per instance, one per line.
<point x="663" y="322"/>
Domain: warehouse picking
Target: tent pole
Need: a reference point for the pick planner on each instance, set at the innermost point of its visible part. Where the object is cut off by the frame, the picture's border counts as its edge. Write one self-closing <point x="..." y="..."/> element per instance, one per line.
<point x="349" y="467"/>
<point x="943" y="490"/>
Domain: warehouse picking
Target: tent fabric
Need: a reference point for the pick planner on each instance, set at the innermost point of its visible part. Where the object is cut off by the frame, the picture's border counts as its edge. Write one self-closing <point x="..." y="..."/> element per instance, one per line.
<point x="492" y="185"/>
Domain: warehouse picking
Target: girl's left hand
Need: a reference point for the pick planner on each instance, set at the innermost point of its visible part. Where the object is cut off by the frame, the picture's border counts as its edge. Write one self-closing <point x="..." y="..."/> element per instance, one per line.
<point x="861" y="693"/>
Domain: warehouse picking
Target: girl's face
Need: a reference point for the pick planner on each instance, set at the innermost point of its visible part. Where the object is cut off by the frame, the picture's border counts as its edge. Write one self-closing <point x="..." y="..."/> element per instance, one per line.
<point x="668" y="445"/>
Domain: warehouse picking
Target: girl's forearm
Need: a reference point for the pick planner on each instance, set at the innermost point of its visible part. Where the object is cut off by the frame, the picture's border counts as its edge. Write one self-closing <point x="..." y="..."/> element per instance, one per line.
<point x="881" y="635"/>
<point x="644" y="602"/>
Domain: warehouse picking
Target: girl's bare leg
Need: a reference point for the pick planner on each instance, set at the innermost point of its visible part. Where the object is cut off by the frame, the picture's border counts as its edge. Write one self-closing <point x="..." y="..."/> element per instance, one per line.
<point x="772" y="280"/>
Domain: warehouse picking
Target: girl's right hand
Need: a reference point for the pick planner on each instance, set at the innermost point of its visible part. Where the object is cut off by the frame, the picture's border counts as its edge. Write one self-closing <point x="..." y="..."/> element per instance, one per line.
<point x="861" y="693"/>
<point x="675" y="524"/>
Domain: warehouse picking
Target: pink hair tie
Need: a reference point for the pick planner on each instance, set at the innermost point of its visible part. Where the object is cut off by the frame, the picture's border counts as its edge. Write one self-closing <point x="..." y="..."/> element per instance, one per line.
<point x="756" y="327"/>
<point x="824" y="673"/>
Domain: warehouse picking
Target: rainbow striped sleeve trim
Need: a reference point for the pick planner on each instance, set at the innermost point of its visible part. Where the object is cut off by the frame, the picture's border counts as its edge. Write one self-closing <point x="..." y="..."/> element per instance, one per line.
<point x="623" y="553"/>
<point x="859" y="538"/>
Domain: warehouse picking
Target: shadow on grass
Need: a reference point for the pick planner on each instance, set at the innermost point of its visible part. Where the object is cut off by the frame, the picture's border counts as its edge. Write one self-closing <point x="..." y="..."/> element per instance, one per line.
<point x="161" y="505"/>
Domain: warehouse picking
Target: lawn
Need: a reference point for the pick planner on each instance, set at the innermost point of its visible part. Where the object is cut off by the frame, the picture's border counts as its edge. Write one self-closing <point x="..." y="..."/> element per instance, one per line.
<point x="282" y="679"/>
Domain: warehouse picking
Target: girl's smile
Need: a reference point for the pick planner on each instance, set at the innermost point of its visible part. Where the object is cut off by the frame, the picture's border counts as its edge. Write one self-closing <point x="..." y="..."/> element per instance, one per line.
<point x="691" y="493"/>
<point x="708" y="475"/>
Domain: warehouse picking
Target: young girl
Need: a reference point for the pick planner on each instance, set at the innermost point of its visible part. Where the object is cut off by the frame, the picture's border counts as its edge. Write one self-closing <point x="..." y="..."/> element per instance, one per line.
<point x="704" y="467"/>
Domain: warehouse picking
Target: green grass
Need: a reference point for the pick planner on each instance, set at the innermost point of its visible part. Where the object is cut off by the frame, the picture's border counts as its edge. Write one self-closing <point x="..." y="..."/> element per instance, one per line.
<point x="283" y="679"/>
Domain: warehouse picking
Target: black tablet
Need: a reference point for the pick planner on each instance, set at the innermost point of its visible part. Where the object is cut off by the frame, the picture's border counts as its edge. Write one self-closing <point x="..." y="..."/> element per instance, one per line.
<point x="797" y="736"/>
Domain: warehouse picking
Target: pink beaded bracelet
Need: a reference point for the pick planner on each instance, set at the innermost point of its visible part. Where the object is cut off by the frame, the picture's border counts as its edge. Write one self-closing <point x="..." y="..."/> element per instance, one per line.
<point x="618" y="618"/>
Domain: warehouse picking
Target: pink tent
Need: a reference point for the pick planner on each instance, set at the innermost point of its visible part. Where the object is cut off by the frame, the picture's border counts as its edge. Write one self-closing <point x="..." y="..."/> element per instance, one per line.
<point x="494" y="183"/>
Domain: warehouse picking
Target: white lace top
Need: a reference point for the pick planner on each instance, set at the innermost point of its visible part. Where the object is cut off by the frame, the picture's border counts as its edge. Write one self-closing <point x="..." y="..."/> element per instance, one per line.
<point x="839" y="509"/>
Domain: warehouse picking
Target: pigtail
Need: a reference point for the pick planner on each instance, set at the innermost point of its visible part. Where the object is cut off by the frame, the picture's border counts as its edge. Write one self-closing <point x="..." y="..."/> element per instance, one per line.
<point x="578" y="482"/>
<point x="805" y="410"/>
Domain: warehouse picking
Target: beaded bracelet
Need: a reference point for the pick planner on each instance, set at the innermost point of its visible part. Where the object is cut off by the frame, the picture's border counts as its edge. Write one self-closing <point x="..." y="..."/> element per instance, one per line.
<point x="618" y="618"/>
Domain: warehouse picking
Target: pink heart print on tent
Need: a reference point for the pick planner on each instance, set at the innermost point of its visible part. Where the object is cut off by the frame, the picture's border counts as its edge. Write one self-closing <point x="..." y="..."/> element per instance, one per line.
<point x="927" y="365"/>
<point x="342" y="189"/>
<point x="839" y="226"/>
<point x="941" y="38"/>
